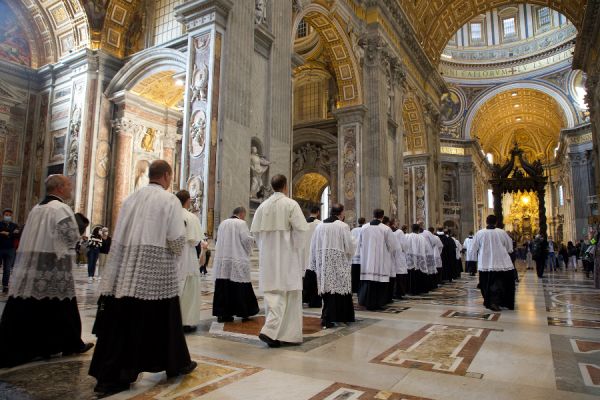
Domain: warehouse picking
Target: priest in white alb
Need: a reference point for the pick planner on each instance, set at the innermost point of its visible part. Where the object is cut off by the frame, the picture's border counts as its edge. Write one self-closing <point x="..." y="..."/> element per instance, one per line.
<point x="310" y="291"/>
<point x="491" y="247"/>
<point x="189" y="268"/>
<point x="374" y="247"/>
<point x="356" y="257"/>
<point x="233" y="295"/>
<point x="41" y="317"/>
<point x="280" y="229"/>
<point x="138" y="322"/>
<point x="400" y="266"/>
<point x="331" y="250"/>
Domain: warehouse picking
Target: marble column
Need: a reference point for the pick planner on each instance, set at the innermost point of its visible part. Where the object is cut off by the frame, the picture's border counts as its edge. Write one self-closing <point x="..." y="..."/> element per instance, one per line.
<point x="123" y="136"/>
<point x="432" y="129"/>
<point x="205" y="22"/>
<point x="581" y="166"/>
<point x="467" y="198"/>
<point x="350" y="166"/>
<point x="375" y="186"/>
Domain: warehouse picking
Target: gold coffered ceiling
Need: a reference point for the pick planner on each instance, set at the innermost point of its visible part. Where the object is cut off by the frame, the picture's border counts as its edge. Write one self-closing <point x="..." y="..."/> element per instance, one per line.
<point x="160" y="88"/>
<point x="435" y="21"/>
<point x="528" y="116"/>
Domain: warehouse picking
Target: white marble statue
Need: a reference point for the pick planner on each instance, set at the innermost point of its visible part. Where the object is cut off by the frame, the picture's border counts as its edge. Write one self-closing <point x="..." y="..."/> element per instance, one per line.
<point x="258" y="166"/>
<point x="260" y="12"/>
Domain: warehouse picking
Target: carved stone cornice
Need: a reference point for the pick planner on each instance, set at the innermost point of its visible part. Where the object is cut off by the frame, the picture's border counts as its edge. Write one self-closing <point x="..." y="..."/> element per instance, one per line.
<point x="349" y="115"/>
<point x="125" y="127"/>
<point x="197" y="13"/>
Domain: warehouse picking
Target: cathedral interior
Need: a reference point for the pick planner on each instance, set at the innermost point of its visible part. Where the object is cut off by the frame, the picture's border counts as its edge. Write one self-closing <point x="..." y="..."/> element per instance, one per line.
<point x="440" y="112"/>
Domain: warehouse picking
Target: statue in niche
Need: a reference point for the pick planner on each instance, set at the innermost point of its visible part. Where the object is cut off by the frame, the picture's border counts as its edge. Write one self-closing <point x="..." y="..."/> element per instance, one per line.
<point x="148" y="140"/>
<point x="258" y="166"/>
<point x="260" y="12"/>
<point x="200" y="83"/>
<point x="141" y="174"/>
<point x="393" y="198"/>
<point x="198" y="134"/>
<point x="196" y="189"/>
<point x="299" y="158"/>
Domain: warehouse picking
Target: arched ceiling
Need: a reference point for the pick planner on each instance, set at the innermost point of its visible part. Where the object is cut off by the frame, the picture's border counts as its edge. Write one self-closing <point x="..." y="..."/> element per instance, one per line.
<point x="415" y="141"/>
<point x="310" y="187"/>
<point x="160" y="88"/>
<point x="531" y="118"/>
<point x="435" y="21"/>
<point x="122" y="19"/>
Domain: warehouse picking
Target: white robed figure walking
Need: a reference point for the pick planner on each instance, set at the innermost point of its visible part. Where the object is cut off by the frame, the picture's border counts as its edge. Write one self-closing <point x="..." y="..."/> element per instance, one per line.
<point x="279" y="228"/>
<point x="188" y="267"/>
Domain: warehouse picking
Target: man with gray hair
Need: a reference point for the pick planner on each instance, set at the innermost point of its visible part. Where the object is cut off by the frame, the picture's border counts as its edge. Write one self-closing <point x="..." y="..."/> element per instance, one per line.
<point x="233" y="294"/>
<point x="42" y="292"/>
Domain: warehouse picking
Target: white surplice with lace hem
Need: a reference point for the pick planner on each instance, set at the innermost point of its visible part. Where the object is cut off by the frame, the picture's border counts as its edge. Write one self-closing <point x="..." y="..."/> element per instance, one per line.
<point x="46" y="255"/>
<point x="232" y="253"/>
<point x="331" y="250"/>
<point x="149" y="236"/>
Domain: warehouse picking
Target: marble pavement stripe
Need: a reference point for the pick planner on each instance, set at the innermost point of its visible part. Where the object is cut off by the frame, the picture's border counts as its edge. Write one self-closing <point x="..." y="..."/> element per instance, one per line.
<point x="568" y="354"/>
<point x="482" y="316"/>
<point x="585" y="346"/>
<point x="437" y="348"/>
<point x="210" y="375"/>
<point x="574" y="323"/>
<point x="340" y="391"/>
<point x="572" y="300"/>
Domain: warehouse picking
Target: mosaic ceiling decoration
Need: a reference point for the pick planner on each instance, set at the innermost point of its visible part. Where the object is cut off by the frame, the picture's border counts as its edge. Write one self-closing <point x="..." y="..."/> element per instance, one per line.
<point x="435" y="21"/>
<point x="527" y="116"/>
<point x="160" y="88"/>
<point x="14" y="45"/>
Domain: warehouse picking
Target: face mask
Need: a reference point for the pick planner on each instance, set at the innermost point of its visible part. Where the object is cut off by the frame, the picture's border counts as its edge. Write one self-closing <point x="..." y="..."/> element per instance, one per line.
<point x="7" y="218"/>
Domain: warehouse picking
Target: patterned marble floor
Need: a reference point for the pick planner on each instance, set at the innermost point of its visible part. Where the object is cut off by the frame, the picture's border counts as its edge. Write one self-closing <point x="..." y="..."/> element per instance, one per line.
<point x="443" y="345"/>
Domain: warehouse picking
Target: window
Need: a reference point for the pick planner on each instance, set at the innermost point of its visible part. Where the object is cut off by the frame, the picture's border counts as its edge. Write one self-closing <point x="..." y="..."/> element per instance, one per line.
<point x="325" y="204"/>
<point x="166" y="26"/>
<point x="476" y="34"/>
<point x="544" y="16"/>
<point x="490" y="199"/>
<point x="302" y="29"/>
<point x="490" y="157"/>
<point x="508" y="26"/>
<point x="561" y="196"/>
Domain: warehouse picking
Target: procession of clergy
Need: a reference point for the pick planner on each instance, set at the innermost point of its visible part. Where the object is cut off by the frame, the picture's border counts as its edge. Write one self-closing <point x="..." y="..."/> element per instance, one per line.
<point x="149" y="295"/>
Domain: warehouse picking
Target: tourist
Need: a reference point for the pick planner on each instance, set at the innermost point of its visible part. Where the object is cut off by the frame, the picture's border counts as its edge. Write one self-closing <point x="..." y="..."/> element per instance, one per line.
<point x="187" y="262"/>
<point x="280" y="229"/>
<point x="374" y="247"/>
<point x="539" y="251"/>
<point x="138" y="323"/>
<point x="492" y="247"/>
<point x="233" y="293"/>
<point x="331" y="250"/>
<point x="571" y="256"/>
<point x="9" y="235"/>
<point x="94" y="243"/>
<point x="104" y="250"/>
<point x="41" y="316"/>
<point x="551" y="260"/>
<point x="310" y="294"/>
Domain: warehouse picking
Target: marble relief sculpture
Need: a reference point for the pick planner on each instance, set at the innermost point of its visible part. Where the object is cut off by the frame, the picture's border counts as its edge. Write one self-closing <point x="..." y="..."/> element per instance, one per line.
<point x="198" y="134"/>
<point x="258" y="167"/>
<point x="260" y="12"/>
<point x="200" y="83"/>
<point x="148" y="140"/>
<point x="196" y="188"/>
<point x="141" y="174"/>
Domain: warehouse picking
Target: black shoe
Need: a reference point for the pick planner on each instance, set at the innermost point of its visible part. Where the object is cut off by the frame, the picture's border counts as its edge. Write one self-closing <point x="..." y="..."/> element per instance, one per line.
<point x="270" y="342"/>
<point x="184" y="371"/>
<point x="246" y="319"/>
<point x="5" y="289"/>
<point x="494" y="307"/>
<point x="327" y="325"/>
<point x="83" y="349"/>
<point x="189" y="329"/>
<point x="224" y="319"/>
<point x="107" y="389"/>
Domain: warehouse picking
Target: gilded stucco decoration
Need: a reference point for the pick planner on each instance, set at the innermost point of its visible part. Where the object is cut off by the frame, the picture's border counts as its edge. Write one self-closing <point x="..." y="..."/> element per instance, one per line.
<point x="435" y="21"/>
<point x="414" y="127"/>
<point x="529" y="117"/>
<point x="119" y="18"/>
<point x="310" y="187"/>
<point x="160" y="88"/>
<point x="337" y="47"/>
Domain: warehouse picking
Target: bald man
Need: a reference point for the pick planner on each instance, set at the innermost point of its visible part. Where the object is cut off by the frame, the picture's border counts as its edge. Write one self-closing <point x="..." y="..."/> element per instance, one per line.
<point x="42" y="292"/>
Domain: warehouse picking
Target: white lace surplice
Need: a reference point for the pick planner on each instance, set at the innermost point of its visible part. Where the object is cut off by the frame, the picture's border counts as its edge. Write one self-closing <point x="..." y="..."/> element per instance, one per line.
<point x="150" y="234"/>
<point x="491" y="248"/>
<point x="46" y="255"/>
<point x="232" y="253"/>
<point x="374" y="247"/>
<point x="187" y="262"/>
<point x="331" y="249"/>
